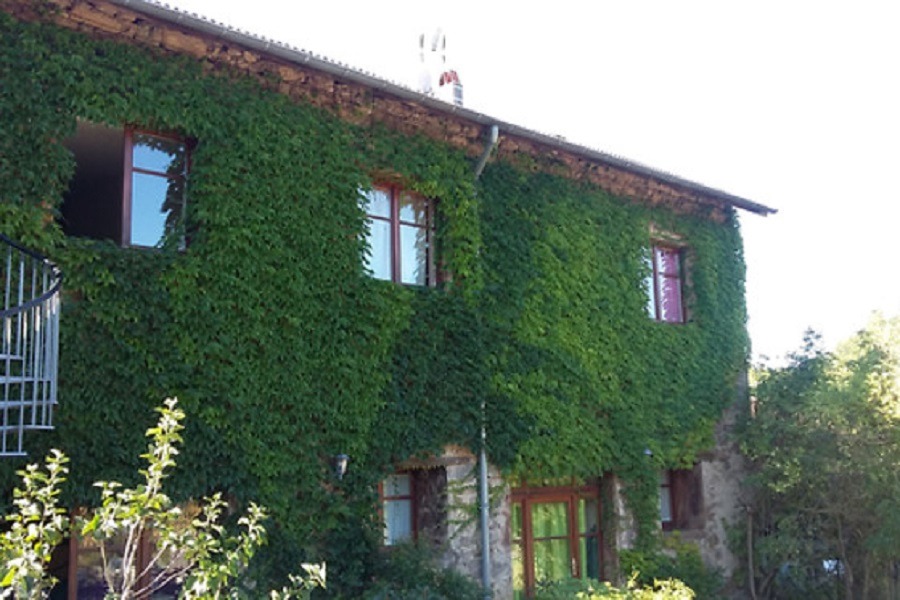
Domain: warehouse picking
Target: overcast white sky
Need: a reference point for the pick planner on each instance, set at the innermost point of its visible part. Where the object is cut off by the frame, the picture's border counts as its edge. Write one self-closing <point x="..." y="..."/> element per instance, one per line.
<point x="795" y="105"/>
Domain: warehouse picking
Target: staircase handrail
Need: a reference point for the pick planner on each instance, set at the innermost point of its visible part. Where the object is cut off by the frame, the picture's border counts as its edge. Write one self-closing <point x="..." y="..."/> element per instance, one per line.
<point x="51" y="291"/>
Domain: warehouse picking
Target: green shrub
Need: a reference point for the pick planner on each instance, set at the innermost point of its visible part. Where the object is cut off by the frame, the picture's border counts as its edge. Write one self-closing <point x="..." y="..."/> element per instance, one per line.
<point x="678" y="560"/>
<point x="409" y="571"/>
<point x="589" y="589"/>
<point x="194" y="549"/>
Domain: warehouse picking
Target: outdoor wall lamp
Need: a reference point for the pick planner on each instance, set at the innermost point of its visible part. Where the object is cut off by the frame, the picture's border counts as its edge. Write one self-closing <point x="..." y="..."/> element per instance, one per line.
<point x="340" y="465"/>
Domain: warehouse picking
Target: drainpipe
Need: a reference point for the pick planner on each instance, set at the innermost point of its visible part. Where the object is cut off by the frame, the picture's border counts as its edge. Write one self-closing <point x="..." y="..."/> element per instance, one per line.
<point x="483" y="495"/>
<point x="492" y="143"/>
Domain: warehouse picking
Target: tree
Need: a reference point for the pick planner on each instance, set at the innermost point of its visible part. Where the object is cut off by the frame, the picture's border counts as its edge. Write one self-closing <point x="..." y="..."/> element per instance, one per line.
<point x="194" y="549"/>
<point x="824" y="444"/>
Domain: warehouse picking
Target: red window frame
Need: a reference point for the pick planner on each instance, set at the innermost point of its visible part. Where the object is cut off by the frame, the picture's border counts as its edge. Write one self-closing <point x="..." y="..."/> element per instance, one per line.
<point x="131" y="169"/>
<point x="662" y="278"/>
<point x="411" y="497"/>
<point x="526" y="497"/>
<point x="394" y="194"/>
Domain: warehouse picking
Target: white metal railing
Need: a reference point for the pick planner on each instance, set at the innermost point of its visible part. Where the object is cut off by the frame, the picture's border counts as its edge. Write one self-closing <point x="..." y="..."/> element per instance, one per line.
<point x="29" y="343"/>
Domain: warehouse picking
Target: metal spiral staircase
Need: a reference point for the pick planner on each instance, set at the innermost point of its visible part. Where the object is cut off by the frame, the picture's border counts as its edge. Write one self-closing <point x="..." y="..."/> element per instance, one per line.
<point x="29" y="344"/>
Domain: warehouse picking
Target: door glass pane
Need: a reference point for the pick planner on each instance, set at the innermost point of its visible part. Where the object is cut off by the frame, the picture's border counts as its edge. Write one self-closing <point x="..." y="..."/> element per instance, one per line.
<point x="516" y="521"/>
<point x="551" y="560"/>
<point x="518" y="571"/>
<point x="378" y="260"/>
<point x="413" y="255"/>
<point x="589" y="537"/>
<point x="549" y="519"/>
<point x="589" y="550"/>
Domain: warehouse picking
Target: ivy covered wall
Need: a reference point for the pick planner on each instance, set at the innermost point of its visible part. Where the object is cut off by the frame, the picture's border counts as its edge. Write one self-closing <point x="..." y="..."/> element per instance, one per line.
<point x="283" y="352"/>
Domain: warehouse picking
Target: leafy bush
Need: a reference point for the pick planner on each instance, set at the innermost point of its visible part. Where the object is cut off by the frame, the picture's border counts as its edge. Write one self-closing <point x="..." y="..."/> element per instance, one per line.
<point x="589" y="589"/>
<point x="195" y="549"/>
<point x="678" y="560"/>
<point x="409" y="571"/>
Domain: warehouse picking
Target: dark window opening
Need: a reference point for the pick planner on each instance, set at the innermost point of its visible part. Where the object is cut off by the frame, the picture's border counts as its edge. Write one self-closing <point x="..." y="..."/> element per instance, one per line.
<point x="128" y="186"/>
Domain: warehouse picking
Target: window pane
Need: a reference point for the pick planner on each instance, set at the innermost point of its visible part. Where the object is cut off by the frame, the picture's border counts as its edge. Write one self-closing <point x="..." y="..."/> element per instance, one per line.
<point x="651" y="289"/>
<point x="413" y="209"/>
<point x="665" y="504"/>
<point x="378" y="261"/>
<point x="549" y="519"/>
<point x="551" y="560"/>
<point x="667" y="261"/>
<point x="670" y="299"/>
<point x="588" y="515"/>
<point x="158" y="154"/>
<point x="396" y="485"/>
<point x="397" y="521"/>
<point x="157" y="205"/>
<point x="413" y="255"/>
<point x="589" y="548"/>
<point x="378" y="203"/>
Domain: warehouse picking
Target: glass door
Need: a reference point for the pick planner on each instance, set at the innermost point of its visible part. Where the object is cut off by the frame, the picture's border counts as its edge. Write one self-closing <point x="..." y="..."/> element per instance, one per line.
<point x="555" y="535"/>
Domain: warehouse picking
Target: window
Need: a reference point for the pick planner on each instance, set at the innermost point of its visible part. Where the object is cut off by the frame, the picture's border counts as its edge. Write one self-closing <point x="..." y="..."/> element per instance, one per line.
<point x="681" y="499"/>
<point x="665" y="499"/>
<point x="78" y="564"/>
<point x="397" y="508"/>
<point x="555" y="535"/>
<point x="414" y="506"/>
<point x="665" y="300"/>
<point x="128" y="187"/>
<point x="400" y="236"/>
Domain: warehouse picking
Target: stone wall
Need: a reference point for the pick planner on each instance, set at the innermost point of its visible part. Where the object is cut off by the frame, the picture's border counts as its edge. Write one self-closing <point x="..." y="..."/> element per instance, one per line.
<point x="723" y="471"/>
<point x="463" y="552"/>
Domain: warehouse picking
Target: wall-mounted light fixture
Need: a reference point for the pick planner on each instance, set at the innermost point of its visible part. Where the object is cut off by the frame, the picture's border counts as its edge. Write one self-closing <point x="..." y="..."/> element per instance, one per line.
<point x="340" y="465"/>
<point x="648" y="452"/>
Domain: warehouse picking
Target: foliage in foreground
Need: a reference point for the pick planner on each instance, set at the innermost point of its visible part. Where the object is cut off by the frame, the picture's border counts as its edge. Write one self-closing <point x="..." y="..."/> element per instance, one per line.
<point x="676" y="559"/>
<point x="409" y="572"/>
<point x="825" y="448"/>
<point x="588" y="589"/>
<point x="193" y="549"/>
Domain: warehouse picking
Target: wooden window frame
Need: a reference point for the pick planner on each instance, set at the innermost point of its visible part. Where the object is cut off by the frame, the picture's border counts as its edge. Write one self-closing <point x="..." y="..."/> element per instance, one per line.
<point x="685" y="489"/>
<point x="394" y="193"/>
<point x="528" y="496"/>
<point x="130" y="170"/>
<point x="413" y="499"/>
<point x="655" y="295"/>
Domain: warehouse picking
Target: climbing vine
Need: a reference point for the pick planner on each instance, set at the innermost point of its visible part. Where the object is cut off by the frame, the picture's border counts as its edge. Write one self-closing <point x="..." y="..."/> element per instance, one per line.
<point x="285" y="353"/>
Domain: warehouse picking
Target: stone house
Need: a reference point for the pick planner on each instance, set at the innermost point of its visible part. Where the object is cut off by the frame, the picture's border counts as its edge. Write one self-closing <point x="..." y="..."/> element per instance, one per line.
<point x="509" y="335"/>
